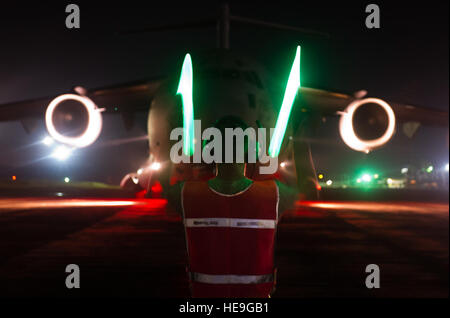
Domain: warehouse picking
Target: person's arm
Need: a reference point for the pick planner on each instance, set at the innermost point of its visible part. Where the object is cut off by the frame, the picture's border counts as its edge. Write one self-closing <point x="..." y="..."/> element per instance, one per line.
<point x="287" y="197"/>
<point x="304" y="165"/>
<point x="306" y="173"/>
<point x="173" y="196"/>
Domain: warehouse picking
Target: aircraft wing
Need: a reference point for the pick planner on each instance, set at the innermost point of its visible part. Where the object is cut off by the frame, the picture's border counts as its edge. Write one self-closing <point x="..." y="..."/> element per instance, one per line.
<point x="137" y="96"/>
<point x="126" y="98"/>
<point x="330" y="103"/>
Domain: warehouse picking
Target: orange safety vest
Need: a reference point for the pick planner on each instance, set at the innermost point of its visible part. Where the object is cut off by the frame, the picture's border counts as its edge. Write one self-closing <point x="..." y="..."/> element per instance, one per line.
<point x="230" y="239"/>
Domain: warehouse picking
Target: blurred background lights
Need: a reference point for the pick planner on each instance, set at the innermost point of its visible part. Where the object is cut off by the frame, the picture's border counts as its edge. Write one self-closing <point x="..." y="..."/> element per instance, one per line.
<point x="48" y="141"/>
<point x="61" y="153"/>
<point x="366" y="177"/>
<point x="155" y="166"/>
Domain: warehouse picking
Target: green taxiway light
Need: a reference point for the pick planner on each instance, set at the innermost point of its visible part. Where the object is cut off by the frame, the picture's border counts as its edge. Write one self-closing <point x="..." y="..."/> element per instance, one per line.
<point x="366" y="177"/>
<point x="430" y="169"/>
<point x="292" y="87"/>
<point x="185" y="89"/>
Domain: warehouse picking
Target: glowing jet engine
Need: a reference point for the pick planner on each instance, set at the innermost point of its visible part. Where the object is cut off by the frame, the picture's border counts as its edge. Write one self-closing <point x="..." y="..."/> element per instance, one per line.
<point x="367" y="124"/>
<point x="73" y="120"/>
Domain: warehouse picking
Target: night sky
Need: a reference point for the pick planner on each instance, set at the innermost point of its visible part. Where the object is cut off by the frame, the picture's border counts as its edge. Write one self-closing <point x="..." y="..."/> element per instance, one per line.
<point x="406" y="61"/>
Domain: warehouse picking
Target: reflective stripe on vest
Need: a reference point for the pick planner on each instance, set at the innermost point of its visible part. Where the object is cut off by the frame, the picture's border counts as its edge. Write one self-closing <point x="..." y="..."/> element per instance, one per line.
<point x="230" y="222"/>
<point x="231" y="279"/>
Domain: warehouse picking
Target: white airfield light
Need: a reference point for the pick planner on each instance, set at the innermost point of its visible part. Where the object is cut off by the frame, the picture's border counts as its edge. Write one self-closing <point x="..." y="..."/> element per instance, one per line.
<point x="93" y="128"/>
<point x="61" y="153"/>
<point x="155" y="166"/>
<point x="347" y="131"/>
<point x="48" y="141"/>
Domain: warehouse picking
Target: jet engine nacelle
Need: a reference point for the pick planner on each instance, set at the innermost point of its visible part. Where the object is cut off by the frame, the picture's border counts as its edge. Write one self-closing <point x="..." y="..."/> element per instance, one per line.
<point x="73" y="120"/>
<point x="367" y="124"/>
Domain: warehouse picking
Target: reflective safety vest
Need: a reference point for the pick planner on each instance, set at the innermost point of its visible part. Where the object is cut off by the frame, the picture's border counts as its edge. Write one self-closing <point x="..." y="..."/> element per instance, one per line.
<point x="230" y="239"/>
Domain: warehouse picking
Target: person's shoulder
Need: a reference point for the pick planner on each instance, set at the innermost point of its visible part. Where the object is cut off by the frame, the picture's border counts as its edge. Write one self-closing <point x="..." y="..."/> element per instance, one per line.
<point x="194" y="185"/>
<point x="269" y="184"/>
<point x="266" y="182"/>
<point x="195" y="182"/>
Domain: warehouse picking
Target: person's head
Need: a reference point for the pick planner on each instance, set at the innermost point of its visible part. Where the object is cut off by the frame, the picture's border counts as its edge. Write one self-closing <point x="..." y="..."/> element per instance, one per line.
<point x="234" y="169"/>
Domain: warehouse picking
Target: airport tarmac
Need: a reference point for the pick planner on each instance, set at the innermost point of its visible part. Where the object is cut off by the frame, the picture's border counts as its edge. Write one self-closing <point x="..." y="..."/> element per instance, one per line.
<point x="135" y="248"/>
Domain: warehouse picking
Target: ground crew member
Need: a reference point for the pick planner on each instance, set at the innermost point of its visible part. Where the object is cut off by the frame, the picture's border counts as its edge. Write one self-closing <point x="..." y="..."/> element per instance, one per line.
<point x="230" y="225"/>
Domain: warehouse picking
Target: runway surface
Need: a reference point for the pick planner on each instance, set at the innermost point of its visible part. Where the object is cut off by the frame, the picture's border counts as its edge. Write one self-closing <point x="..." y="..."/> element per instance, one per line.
<point x="136" y="248"/>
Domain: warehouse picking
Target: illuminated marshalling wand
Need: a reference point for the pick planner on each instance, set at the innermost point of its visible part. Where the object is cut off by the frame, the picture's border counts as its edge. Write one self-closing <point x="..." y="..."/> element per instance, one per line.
<point x="292" y="88"/>
<point x="185" y="89"/>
